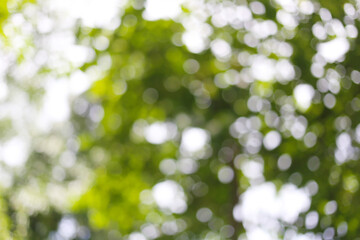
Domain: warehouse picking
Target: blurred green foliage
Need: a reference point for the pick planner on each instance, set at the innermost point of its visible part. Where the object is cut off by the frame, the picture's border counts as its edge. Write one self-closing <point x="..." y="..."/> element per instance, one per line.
<point x="150" y="75"/>
<point x="145" y="60"/>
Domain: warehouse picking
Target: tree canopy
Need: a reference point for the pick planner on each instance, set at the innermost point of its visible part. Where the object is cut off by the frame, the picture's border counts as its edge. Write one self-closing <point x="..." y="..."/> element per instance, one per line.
<point x="179" y="119"/>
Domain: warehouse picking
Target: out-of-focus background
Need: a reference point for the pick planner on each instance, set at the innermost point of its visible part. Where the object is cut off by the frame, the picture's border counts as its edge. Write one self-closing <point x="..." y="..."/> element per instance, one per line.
<point x="179" y="119"/>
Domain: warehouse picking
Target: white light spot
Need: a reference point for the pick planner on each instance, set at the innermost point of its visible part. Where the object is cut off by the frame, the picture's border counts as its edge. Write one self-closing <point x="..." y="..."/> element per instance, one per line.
<point x="303" y="94"/>
<point x="160" y="132"/>
<point x="161" y="9"/>
<point x="96" y="113"/>
<point x="243" y="13"/>
<point x="137" y="236"/>
<point x="261" y="205"/>
<point x="285" y="71"/>
<point x="293" y="201"/>
<point x="329" y="100"/>
<point x="263" y="68"/>
<point x="286" y="19"/>
<point x="226" y="174"/>
<point x="221" y="49"/>
<point x="169" y="195"/>
<point x="15" y="152"/>
<point x="334" y="50"/>
<point x="257" y="8"/>
<point x="330" y="207"/>
<point x="306" y="7"/>
<point x="284" y="162"/>
<point x="204" y="214"/>
<point x="150" y="231"/>
<point x="258" y="233"/>
<point x="56" y="104"/>
<point x="3" y="90"/>
<point x="272" y="140"/>
<point x="93" y="13"/>
<point x="325" y="14"/>
<point x="194" y="41"/>
<point x="79" y="82"/>
<point x="311" y="220"/>
<point x="310" y="139"/>
<point x="194" y="139"/>
<point x="101" y="43"/>
<point x="252" y="169"/>
<point x="191" y="66"/>
<point x="187" y="165"/>
<point x="67" y="227"/>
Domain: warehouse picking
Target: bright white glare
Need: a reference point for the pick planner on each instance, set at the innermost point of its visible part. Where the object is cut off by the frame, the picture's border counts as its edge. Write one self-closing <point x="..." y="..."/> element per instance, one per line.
<point x="288" y="5"/>
<point x="243" y="13"/>
<point x="263" y="29"/>
<point x="285" y="71"/>
<point x="161" y="9"/>
<point x="194" y="139"/>
<point x="3" y="90"/>
<point x="334" y="50"/>
<point x="231" y="14"/>
<point x="293" y="201"/>
<point x="345" y="150"/>
<point x="260" y="204"/>
<point x="286" y="19"/>
<point x="196" y="36"/>
<point x="75" y="54"/>
<point x="272" y="140"/>
<point x="252" y="169"/>
<point x="15" y="152"/>
<point x="319" y="31"/>
<point x="93" y="13"/>
<point x="79" y="82"/>
<point x="136" y="236"/>
<point x="221" y="49"/>
<point x="303" y="94"/>
<point x="194" y="41"/>
<point x="169" y="195"/>
<point x="6" y="178"/>
<point x="258" y="233"/>
<point x="226" y="174"/>
<point x="67" y="227"/>
<point x="263" y="68"/>
<point x="56" y="104"/>
<point x="160" y="132"/>
<point x="306" y="7"/>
